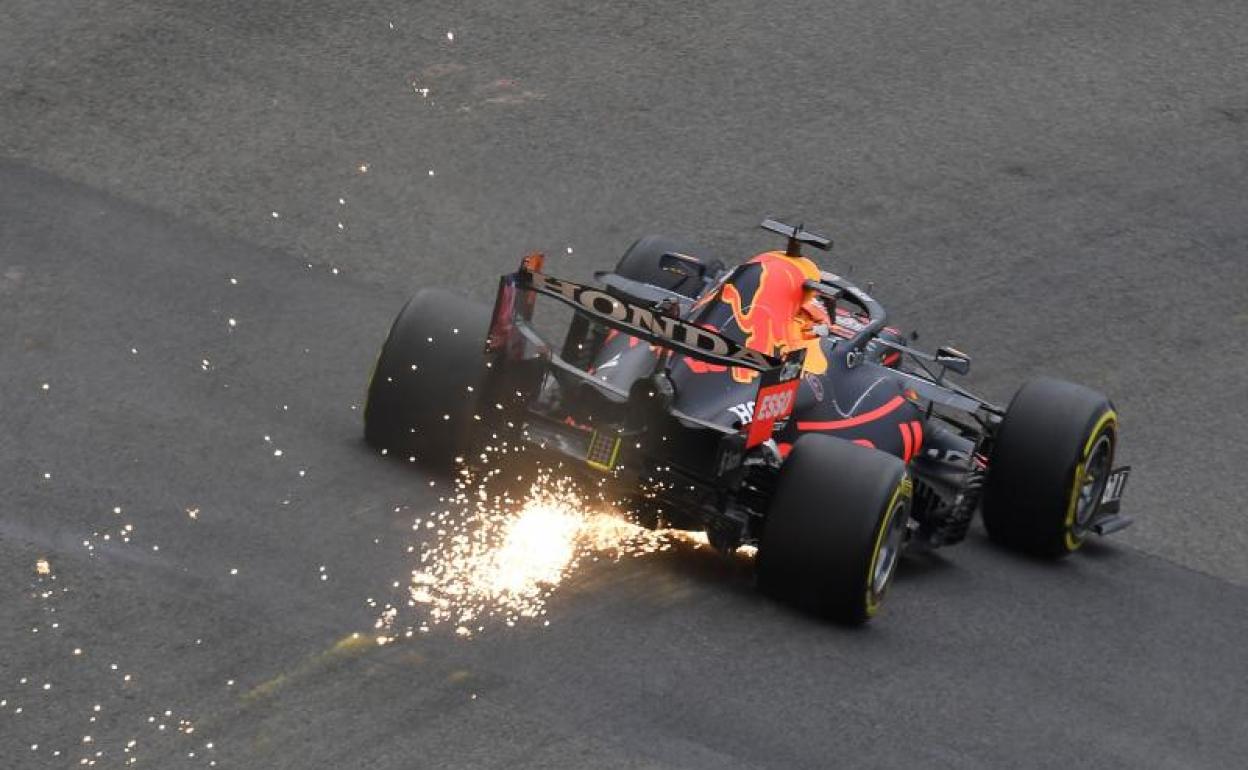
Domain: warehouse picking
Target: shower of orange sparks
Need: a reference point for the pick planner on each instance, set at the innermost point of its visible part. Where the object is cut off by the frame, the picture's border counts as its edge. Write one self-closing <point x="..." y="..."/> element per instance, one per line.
<point x="499" y="559"/>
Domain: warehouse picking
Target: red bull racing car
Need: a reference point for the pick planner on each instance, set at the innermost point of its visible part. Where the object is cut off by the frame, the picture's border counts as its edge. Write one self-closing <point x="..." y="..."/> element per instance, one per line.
<point x="769" y="404"/>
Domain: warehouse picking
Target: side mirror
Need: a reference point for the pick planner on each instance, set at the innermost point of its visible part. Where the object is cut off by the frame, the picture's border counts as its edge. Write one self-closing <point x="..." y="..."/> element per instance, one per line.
<point x="953" y="360"/>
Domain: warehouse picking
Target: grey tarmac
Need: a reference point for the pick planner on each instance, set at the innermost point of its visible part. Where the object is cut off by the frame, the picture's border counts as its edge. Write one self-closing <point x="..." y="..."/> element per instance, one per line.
<point x="1060" y="189"/>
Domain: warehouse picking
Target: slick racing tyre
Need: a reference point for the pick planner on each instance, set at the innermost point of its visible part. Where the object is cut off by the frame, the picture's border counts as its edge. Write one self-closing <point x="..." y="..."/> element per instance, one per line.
<point x="668" y="264"/>
<point x="835" y="528"/>
<point x="1048" y="470"/>
<point x="423" y="389"/>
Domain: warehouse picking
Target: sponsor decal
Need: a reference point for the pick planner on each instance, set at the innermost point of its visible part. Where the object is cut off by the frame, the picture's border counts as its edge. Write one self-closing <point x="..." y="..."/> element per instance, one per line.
<point x="649" y="324"/>
<point x="777" y="403"/>
<point x="769" y="317"/>
<point x="774" y="403"/>
<point x="744" y="412"/>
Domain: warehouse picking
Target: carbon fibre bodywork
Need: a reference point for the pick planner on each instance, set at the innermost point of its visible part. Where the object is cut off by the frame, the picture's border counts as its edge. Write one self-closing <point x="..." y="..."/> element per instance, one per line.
<point x="769" y="405"/>
<point x="659" y="394"/>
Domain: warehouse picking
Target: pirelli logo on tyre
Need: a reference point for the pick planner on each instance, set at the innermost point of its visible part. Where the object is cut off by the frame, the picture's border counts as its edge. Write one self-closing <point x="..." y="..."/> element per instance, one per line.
<point x="774" y="403"/>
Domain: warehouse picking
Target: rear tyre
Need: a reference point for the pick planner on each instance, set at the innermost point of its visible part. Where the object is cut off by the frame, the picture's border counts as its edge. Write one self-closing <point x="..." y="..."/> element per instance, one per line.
<point x="423" y="389"/>
<point x="835" y="528"/>
<point x="648" y="260"/>
<point x="1048" y="470"/>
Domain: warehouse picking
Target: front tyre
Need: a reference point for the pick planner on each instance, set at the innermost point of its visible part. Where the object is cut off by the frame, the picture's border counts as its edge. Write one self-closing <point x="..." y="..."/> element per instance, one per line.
<point x="423" y="390"/>
<point x="1047" y="473"/>
<point x="835" y="528"/>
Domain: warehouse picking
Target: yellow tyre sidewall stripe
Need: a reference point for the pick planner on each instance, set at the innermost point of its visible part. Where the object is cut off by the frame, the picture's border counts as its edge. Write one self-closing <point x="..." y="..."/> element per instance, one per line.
<point x="903" y="490"/>
<point x="1107" y="422"/>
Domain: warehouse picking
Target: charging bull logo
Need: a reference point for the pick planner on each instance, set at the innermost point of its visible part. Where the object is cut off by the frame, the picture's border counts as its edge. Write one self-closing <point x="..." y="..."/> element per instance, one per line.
<point x="775" y="320"/>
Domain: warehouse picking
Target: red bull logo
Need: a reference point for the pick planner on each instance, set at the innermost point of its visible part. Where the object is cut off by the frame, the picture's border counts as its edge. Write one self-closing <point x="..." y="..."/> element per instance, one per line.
<point x="774" y="319"/>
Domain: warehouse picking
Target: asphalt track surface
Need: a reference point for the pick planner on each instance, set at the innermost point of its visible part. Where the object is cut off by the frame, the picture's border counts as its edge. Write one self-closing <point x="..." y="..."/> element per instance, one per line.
<point x="1057" y="189"/>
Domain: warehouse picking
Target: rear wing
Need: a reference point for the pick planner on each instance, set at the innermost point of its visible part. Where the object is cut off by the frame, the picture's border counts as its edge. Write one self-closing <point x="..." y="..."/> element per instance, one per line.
<point x="648" y="323"/>
<point x="779" y="375"/>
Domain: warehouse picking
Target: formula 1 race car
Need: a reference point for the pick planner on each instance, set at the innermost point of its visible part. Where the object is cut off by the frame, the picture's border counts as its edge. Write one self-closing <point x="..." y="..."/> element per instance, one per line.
<point x="768" y="404"/>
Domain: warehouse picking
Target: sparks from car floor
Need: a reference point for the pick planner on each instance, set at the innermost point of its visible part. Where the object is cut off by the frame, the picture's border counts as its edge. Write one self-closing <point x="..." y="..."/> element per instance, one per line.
<point x="496" y="560"/>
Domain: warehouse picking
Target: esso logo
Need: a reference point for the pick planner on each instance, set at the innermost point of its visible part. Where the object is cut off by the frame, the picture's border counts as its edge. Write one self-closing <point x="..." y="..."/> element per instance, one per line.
<point x="774" y="405"/>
